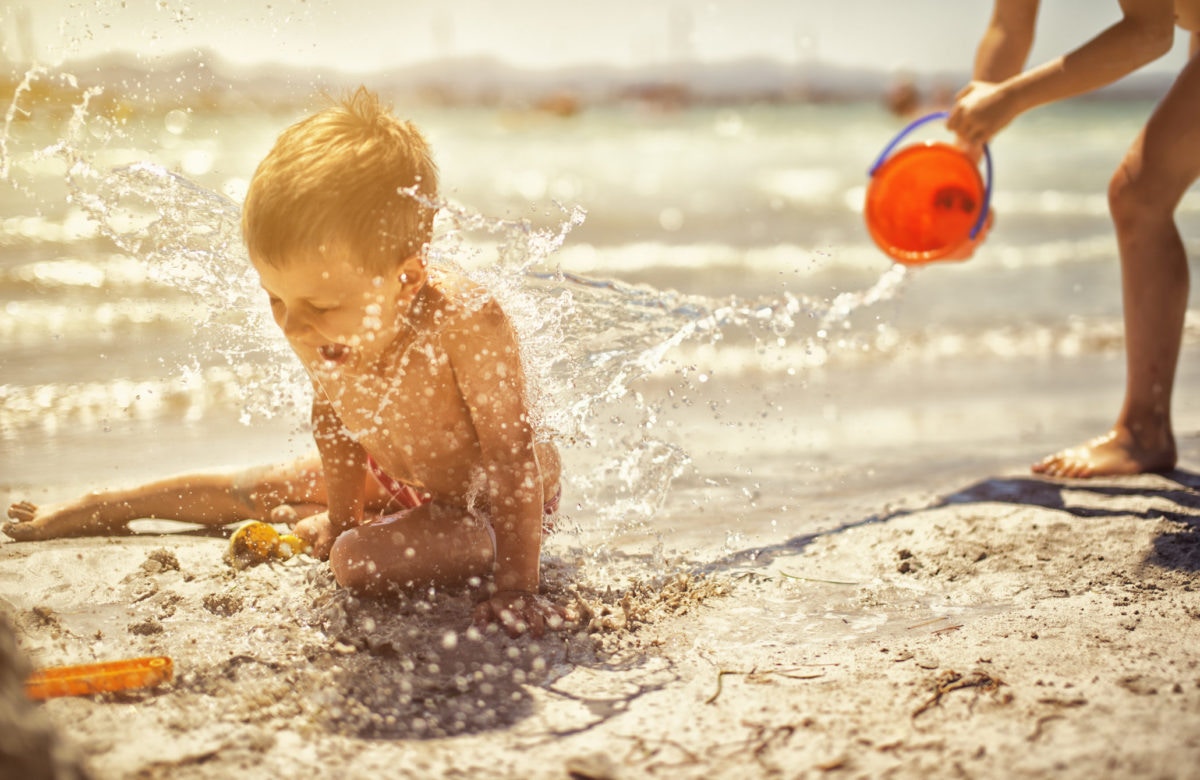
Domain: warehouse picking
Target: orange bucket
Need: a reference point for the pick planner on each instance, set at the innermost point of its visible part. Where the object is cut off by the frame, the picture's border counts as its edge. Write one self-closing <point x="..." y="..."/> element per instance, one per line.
<point x="927" y="201"/>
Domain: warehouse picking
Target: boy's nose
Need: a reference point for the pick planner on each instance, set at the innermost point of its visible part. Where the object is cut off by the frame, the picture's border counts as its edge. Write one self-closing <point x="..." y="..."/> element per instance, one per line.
<point x="293" y="325"/>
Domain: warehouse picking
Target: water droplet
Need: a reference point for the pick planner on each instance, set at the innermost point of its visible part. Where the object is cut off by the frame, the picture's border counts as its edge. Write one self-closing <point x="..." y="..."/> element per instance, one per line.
<point x="671" y="219"/>
<point x="176" y="121"/>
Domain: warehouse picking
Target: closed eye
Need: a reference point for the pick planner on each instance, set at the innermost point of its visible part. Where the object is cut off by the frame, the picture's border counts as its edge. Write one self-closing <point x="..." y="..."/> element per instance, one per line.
<point x="314" y="307"/>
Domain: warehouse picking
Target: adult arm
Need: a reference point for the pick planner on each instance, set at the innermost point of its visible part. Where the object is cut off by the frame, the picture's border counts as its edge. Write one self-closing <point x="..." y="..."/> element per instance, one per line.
<point x="1006" y="42"/>
<point x="1144" y="33"/>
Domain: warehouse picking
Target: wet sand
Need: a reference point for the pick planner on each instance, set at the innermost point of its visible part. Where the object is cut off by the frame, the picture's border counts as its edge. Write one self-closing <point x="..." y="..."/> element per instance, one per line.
<point x="944" y="616"/>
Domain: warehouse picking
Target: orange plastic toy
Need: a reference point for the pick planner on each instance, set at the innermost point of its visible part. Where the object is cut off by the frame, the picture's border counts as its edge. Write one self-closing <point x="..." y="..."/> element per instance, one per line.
<point x="107" y="677"/>
<point x="927" y="202"/>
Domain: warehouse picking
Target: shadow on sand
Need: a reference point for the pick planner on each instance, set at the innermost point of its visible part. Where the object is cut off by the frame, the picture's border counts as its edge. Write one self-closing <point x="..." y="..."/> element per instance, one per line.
<point x="1173" y="496"/>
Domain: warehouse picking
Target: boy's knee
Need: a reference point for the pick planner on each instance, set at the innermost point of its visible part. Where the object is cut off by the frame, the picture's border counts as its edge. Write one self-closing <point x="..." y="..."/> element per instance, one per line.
<point x="347" y="563"/>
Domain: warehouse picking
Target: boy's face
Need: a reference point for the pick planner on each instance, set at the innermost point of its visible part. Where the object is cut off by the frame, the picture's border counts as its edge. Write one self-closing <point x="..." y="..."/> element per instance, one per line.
<point x="335" y="313"/>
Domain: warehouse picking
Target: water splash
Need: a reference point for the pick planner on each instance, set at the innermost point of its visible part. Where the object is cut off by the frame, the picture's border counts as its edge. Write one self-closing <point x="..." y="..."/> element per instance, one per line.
<point x="588" y="345"/>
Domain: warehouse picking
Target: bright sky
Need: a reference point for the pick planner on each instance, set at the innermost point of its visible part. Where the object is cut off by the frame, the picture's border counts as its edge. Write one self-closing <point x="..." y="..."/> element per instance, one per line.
<point x="363" y="35"/>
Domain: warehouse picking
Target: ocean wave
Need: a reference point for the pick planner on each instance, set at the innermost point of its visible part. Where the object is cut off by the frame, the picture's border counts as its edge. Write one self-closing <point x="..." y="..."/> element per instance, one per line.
<point x="72" y="228"/>
<point x="648" y="256"/>
<point x="884" y="343"/>
<point x="784" y="261"/>
<point x="257" y="391"/>
<point x="30" y="322"/>
<point x="190" y="396"/>
<point x="113" y="272"/>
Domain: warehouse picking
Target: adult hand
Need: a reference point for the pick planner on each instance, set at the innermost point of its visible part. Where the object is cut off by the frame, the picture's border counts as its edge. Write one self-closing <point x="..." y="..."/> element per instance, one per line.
<point x="518" y="612"/>
<point x="981" y="109"/>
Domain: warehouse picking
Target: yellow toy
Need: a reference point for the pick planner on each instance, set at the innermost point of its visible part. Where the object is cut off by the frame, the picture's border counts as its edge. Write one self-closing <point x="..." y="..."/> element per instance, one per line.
<point x="257" y="542"/>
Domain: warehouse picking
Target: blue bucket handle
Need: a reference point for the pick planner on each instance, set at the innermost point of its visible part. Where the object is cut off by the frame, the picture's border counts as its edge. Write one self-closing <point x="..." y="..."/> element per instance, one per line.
<point x="987" y="164"/>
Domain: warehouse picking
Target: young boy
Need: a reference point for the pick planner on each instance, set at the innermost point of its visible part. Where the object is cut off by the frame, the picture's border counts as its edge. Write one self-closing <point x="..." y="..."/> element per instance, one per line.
<point x="1159" y="167"/>
<point x="419" y="398"/>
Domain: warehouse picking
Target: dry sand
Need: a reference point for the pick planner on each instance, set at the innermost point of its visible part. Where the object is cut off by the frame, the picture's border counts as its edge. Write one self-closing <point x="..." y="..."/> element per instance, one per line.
<point x="1010" y="628"/>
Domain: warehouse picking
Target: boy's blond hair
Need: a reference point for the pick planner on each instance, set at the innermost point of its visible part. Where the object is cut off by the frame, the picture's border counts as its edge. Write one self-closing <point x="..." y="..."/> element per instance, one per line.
<point x="352" y="175"/>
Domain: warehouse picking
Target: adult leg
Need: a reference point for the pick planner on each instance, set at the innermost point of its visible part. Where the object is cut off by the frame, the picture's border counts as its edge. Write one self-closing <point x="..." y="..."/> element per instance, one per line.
<point x="1158" y="169"/>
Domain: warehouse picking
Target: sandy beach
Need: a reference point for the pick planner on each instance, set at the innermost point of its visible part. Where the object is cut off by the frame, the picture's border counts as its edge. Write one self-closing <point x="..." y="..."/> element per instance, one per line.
<point x="946" y="616"/>
<point x="851" y="574"/>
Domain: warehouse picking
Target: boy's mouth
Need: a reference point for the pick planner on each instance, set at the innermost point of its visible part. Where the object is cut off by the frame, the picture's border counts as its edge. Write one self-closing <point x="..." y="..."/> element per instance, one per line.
<point x="334" y="353"/>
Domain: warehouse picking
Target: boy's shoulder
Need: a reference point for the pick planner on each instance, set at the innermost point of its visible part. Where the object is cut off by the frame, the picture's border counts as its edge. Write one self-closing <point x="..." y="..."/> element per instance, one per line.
<point x="456" y="303"/>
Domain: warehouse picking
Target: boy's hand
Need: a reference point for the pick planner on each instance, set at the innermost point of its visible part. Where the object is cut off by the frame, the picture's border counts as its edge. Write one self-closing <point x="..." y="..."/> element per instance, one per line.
<point x="518" y="611"/>
<point x="317" y="532"/>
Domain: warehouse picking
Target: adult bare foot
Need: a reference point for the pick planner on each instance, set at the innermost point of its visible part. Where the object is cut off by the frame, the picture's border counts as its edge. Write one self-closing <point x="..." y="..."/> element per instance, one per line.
<point x="1116" y="453"/>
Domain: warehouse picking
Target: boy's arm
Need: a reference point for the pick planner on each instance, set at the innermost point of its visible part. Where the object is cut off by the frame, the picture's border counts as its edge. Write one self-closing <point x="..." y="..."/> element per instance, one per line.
<point x="344" y="464"/>
<point x="487" y="367"/>
<point x="1145" y="32"/>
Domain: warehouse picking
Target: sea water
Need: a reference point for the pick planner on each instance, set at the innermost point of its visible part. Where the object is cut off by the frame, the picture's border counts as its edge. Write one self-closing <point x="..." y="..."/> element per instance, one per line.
<point x="686" y="281"/>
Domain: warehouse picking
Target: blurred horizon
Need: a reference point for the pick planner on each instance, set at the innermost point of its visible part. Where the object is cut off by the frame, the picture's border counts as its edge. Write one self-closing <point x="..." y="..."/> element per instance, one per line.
<point x="153" y="55"/>
<point x="122" y="83"/>
<point x="918" y="36"/>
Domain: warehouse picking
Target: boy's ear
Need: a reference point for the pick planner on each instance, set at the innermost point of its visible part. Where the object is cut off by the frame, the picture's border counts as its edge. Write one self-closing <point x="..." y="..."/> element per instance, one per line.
<point x="412" y="271"/>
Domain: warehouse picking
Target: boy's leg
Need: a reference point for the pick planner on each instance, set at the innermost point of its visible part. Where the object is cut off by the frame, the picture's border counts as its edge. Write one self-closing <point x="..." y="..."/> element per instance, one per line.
<point x="207" y="499"/>
<point x="1158" y="169"/>
<point x="430" y="545"/>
